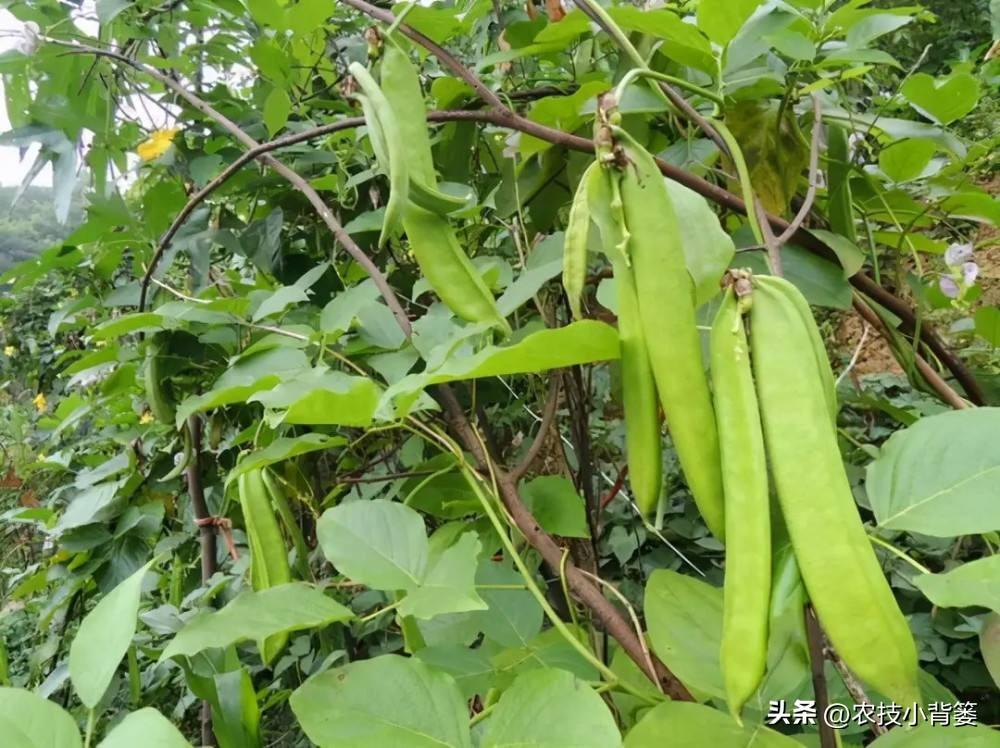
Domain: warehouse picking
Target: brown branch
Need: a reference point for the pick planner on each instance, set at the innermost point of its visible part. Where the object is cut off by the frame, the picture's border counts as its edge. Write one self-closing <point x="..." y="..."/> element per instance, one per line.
<point x="935" y="380"/>
<point x="854" y="688"/>
<point x="206" y="537"/>
<point x="544" y="426"/>
<point x="446" y="58"/>
<point x="817" y="662"/>
<point x="586" y="591"/>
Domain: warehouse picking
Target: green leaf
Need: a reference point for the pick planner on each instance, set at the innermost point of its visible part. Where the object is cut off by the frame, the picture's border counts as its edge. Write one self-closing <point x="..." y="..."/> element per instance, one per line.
<point x="381" y="544"/>
<point x="554" y="502"/>
<point x="926" y="736"/>
<point x="277" y="107"/>
<point x="146" y="727"/>
<point x="988" y="325"/>
<point x="989" y="645"/>
<point x="256" y="616"/>
<point x="852" y="259"/>
<point x="449" y="585"/>
<point x="40" y="722"/>
<point x="708" y="249"/>
<point x="280" y="300"/>
<point x="514" y="617"/>
<point x="384" y="701"/>
<point x="581" y="342"/>
<point x="245" y="376"/>
<point x="104" y="638"/>
<point x="550" y="708"/>
<point x="976" y="583"/>
<point x="684" y="619"/>
<point x="939" y="476"/>
<point x="685" y="42"/>
<point x="906" y="160"/>
<point x="284" y="448"/>
<point x="822" y="282"/>
<point x="693" y="724"/>
<point x="323" y="397"/>
<point x="944" y="99"/>
<point x="471" y="668"/>
<point x="721" y="20"/>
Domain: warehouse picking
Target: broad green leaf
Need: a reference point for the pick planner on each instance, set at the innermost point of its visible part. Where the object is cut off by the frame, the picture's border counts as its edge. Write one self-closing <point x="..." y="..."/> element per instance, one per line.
<point x="514" y="617"/>
<point x="95" y="504"/>
<point x="384" y="701"/>
<point x="279" y="300"/>
<point x="40" y="722"/>
<point x="939" y="476"/>
<point x="926" y="736"/>
<point x="976" y="583"/>
<point x="944" y="99"/>
<point x="988" y="324"/>
<point x="550" y="709"/>
<point x="146" y="727"/>
<point x="284" y="448"/>
<point x="708" y="249"/>
<point x="989" y="645"/>
<point x="126" y="324"/>
<point x="471" y="668"/>
<point x="685" y="43"/>
<point x="852" y="259"/>
<point x="721" y="20"/>
<point x="906" y="160"/>
<point x="449" y="585"/>
<point x="548" y="650"/>
<point x="554" y="502"/>
<point x="581" y="342"/>
<point x="256" y="616"/>
<point x="277" y="107"/>
<point x="323" y="397"/>
<point x="974" y="205"/>
<point x="246" y="375"/>
<point x="104" y="638"/>
<point x="872" y="27"/>
<point x="381" y="544"/>
<point x="684" y="621"/>
<point x="696" y="725"/>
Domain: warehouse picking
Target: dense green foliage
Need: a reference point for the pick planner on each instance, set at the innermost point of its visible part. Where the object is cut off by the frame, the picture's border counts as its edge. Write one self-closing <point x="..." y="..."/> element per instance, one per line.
<point x="256" y="496"/>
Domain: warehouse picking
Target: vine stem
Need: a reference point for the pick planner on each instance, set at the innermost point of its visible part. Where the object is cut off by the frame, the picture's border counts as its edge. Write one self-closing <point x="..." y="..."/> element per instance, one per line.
<point x="89" y="734"/>
<point x="899" y="553"/>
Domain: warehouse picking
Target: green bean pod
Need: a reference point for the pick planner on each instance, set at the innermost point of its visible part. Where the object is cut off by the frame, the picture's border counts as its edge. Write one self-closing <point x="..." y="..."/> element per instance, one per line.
<point x="384" y="126"/>
<point x="161" y="404"/>
<point x="840" y="571"/>
<point x="642" y="418"/>
<point x="574" y="274"/>
<point x="268" y="554"/>
<point x="792" y="295"/>
<point x="448" y="270"/>
<point x="443" y="262"/>
<point x="747" y="584"/>
<point x="667" y="309"/>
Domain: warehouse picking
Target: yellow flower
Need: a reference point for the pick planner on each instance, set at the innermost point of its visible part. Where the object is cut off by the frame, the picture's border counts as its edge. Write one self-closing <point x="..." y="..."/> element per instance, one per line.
<point x="146" y="417"/>
<point x="9" y="351"/>
<point x="158" y="143"/>
<point x="40" y="402"/>
<point x="42" y="457"/>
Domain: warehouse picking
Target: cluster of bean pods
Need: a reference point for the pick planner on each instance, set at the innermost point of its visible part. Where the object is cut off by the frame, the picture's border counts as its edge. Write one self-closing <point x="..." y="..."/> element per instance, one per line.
<point x="772" y="405"/>
<point x="776" y="407"/>
<point x="396" y="121"/>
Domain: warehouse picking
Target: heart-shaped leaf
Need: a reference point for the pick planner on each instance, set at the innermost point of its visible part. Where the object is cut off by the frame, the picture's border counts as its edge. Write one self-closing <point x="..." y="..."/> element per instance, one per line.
<point x="943" y="100"/>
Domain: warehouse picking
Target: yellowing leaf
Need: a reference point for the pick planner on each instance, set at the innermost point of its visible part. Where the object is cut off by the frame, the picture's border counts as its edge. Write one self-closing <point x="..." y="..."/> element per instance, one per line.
<point x="158" y="143"/>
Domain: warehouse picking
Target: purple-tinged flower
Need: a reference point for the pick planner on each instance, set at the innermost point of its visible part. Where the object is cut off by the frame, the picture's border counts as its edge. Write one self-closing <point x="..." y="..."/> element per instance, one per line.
<point x="949" y="287"/>
<point x="956" y="254"/>
<point x="970" y="271"/>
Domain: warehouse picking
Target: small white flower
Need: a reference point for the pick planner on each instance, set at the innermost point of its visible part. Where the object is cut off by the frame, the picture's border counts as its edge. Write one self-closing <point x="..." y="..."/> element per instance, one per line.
<point x="970" y="271"/>
<point x="956" y="254"/>
<point x="949" y="287"/>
